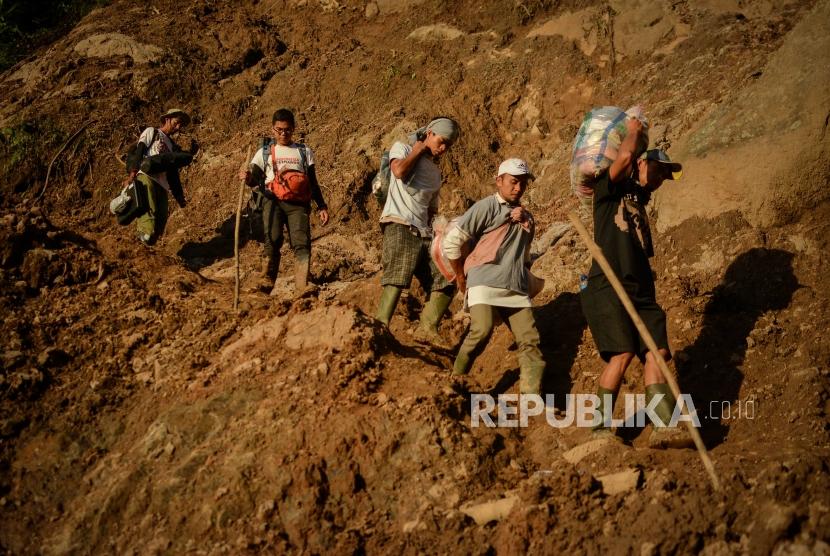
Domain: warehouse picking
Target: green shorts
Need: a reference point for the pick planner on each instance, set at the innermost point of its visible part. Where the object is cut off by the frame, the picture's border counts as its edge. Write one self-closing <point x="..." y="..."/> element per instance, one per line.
<point x="613" y="330"/>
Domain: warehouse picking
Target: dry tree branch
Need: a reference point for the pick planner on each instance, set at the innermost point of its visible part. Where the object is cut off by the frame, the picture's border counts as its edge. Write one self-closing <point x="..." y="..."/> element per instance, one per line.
<point x="63" y="148"/>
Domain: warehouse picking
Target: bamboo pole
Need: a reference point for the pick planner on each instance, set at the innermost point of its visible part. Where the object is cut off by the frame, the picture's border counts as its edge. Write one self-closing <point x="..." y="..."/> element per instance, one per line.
<point x="236" y="238"/>
<point x="596" y="253"/>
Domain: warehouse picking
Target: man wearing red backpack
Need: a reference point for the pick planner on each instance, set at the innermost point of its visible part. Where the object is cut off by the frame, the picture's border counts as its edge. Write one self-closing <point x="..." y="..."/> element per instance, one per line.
<point x="284" y="173"/>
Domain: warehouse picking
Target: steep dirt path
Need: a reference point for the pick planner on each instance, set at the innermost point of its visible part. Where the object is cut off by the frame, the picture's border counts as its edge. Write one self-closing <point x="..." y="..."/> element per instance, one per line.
<point x="138" y="413"/>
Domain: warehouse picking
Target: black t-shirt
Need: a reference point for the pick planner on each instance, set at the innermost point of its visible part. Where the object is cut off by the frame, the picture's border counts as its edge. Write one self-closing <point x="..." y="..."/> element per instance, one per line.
<point x="622" y="231"/>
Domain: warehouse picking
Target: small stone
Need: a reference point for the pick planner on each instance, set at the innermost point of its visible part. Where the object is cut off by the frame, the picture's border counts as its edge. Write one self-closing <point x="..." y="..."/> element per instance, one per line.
<point x="622" y="481"/>
<point x="372" y="10"/>
<point x="220" y="492"/>
<point x="576" y="454"/>
<point x="266" y="509"/>
<point x="410" y="526"/>
<point x="490" y="511"/>
<point x="648" y="549"/>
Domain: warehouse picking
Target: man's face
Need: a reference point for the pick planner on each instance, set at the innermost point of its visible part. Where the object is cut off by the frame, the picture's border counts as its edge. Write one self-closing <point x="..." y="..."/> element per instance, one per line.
<point x="283" y="133"/>
<point x="511" y="188"/>
<point x="436" y="144"/>
<point x="652" y="174"/>
<point x="175" y="125"/>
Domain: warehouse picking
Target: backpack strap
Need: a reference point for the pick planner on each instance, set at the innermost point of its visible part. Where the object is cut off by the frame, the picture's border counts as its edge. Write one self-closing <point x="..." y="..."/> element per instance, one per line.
<point x="274" y="160"/>
<point x="266" y="142"/>
<point x="303" y="156"/>
<point x="152" y="142"/>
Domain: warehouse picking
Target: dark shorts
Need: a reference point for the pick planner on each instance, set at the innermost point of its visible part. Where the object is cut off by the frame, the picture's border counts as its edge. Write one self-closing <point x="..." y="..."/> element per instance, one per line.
<point x="613" y="330"/>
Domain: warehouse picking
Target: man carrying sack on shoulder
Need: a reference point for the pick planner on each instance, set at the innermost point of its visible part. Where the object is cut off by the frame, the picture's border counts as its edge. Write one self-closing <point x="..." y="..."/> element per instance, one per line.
<point x="154" y="165"/>
<point x="622" y="231"/>
<point x="496" y="275"/>
<point x="411" y="203"/>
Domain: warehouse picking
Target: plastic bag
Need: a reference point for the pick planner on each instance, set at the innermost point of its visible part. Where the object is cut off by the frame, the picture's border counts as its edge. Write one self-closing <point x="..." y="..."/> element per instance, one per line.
<point x="121" y="203"/>
<point x="440" y="228"/>
<point x="597" y="144"/>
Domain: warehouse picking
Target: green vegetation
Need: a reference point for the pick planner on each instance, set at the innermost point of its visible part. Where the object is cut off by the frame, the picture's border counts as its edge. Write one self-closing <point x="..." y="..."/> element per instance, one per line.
<point x="25" y="149"/>
<point x="28" y="24"/>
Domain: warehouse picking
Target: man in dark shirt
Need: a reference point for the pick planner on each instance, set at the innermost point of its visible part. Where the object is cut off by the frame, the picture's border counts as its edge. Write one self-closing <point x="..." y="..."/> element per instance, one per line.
<point x="621" y="229"/>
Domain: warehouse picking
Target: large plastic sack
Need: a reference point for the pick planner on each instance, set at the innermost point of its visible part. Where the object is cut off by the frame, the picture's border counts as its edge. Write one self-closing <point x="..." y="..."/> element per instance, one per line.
<point x="440" y="228"/>
<point x="597" y="144"/>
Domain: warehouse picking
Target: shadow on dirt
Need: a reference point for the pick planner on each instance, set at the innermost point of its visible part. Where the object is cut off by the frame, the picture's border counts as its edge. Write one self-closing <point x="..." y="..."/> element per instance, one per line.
<point x="561" y="324"/>
<point x="198" y="255"/>
<point x="757" y="281"/>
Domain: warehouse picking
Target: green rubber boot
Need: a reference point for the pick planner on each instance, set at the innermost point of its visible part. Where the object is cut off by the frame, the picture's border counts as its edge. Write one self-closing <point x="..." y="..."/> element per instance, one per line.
<point x="461" y="366"/>
<point x="664" y="436"/>
<point x="600" y="430"/>
<point x="431" y="315"/>
<point x="665" y="408"/>
<point x="388" y="302"/>
<point x="530" y="378"/>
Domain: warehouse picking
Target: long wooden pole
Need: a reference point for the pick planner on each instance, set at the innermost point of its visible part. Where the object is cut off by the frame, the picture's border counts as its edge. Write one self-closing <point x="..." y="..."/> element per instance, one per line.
<point x="596" y="253"/>
<point x="236" y="238"/>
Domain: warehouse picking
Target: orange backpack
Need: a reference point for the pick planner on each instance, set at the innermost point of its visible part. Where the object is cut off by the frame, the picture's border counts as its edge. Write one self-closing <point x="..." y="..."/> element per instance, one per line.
<point x="291" y="184"/>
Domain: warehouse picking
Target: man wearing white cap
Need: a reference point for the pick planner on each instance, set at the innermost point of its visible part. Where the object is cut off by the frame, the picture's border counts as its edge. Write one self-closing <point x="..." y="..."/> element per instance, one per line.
<point x="621" y="229"/>
<point x="496" y="275"/>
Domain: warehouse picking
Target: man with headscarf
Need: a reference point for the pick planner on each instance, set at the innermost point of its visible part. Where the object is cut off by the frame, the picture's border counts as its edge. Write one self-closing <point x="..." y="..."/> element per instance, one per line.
<point x="406" y="222"/>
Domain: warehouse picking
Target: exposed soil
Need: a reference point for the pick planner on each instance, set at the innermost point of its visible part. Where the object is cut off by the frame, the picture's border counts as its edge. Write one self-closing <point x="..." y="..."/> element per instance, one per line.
<point x="140" y="414"/>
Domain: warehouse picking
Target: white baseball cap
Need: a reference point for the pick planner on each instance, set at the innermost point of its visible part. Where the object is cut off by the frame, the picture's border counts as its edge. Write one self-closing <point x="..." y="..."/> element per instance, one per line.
<point x="515" y="167"/>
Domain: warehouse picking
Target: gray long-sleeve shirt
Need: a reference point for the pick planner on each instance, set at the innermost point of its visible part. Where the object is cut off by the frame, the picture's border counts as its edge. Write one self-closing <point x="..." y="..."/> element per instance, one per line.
<point x="508" y="270"/>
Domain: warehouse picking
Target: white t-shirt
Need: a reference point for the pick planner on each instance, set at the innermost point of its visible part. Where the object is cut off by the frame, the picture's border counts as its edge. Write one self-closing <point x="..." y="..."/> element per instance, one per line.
<point x="284" y="156"/>
<point x="411" y="203"/>
<point x="162" y="144"/>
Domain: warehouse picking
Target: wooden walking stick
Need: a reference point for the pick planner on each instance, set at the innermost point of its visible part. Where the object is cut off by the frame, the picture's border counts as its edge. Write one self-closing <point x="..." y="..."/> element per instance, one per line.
<point x="236" y="237"/>
<point x="596" y="253"/>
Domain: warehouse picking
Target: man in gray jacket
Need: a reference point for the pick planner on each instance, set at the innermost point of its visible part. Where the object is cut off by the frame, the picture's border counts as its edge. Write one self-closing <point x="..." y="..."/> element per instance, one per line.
<point x="496" y="275"/>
